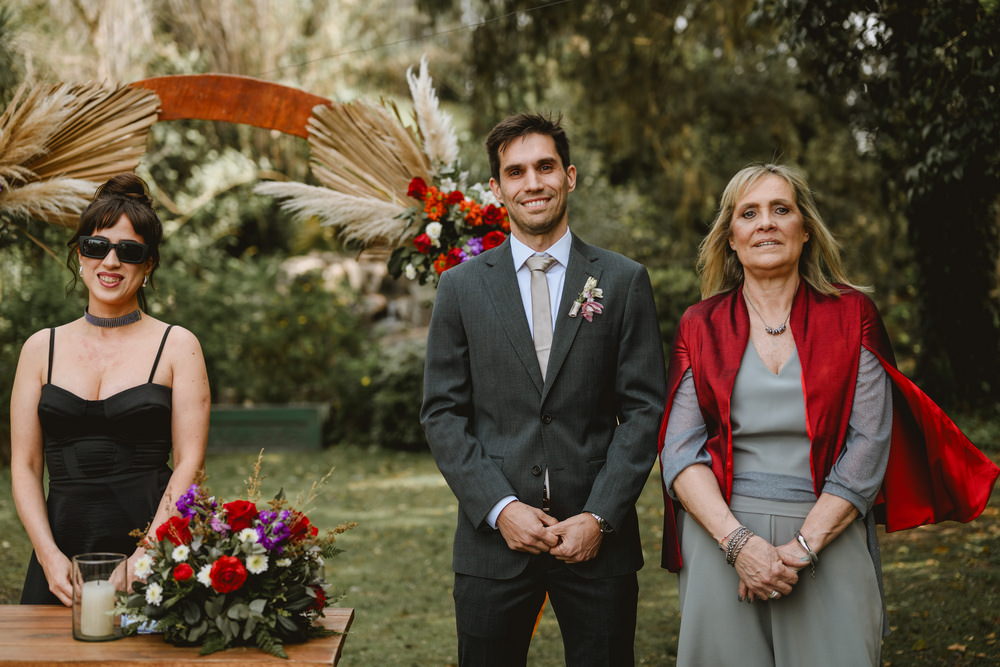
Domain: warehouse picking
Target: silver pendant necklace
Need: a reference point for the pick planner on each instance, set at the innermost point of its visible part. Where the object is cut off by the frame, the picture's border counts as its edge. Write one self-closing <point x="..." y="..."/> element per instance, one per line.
<point x="774" y="331"/>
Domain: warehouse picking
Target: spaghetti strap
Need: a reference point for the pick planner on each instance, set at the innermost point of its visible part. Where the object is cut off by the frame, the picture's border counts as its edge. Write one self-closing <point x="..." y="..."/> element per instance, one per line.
<point x="156" y="362"/>
<point x="52" y="349"/>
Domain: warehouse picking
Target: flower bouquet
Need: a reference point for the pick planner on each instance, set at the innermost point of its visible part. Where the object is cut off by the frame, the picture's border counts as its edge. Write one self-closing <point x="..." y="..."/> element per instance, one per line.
<point x="451" y="228"/>
<point x="371" y="166"/>
<point x="227" y="574"/>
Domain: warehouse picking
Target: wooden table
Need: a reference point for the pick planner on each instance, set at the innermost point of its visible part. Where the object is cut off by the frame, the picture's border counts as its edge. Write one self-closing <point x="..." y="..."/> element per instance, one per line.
<point x="43" y="634"/>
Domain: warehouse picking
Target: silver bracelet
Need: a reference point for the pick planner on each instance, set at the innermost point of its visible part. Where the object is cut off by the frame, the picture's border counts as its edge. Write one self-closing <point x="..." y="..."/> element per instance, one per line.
<point x="813" y="558"/>
<point x="737" y="540"/>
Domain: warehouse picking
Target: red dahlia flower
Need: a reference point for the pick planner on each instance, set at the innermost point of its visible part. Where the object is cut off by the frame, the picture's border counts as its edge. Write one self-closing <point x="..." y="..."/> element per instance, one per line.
<point x="183" y="572"/>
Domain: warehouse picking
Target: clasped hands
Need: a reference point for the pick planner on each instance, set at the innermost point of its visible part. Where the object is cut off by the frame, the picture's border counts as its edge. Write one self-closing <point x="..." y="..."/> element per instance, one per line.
<point x="529" y="529"/>
<point x="765" y="569"/>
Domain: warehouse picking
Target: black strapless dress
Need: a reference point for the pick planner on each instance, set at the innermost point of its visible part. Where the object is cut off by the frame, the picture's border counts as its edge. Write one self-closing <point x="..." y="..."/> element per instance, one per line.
<point x="107" y="464"/>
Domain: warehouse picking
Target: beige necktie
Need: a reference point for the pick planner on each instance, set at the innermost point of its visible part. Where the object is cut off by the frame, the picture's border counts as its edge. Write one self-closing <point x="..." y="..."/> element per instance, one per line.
<point x="541" y="308"/>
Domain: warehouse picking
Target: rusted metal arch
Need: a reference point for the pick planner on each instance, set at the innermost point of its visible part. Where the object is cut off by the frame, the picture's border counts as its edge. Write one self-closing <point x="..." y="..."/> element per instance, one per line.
<point x="233" y="99"/>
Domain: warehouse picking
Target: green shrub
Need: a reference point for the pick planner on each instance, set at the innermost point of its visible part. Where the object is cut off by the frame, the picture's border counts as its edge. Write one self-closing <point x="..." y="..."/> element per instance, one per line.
<point x="396" y="394"/>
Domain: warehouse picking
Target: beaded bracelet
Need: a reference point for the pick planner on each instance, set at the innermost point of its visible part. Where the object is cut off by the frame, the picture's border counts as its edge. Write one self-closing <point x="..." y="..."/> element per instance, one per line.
<point x="813" y="558"/>
<point x="737" y="540"/>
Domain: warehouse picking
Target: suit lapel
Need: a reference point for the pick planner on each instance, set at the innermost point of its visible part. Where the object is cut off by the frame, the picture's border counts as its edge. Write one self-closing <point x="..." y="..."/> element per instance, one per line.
<point x="582" y="264"/>
<point x="500" y="284"/>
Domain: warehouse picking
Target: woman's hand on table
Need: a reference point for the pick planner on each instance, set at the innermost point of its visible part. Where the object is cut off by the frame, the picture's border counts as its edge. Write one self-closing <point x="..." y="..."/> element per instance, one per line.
<point x="57" y="572"/>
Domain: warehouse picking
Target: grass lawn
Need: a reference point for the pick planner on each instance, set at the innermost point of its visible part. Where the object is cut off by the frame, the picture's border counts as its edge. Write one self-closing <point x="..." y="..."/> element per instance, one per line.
<point x="942" y="582"/>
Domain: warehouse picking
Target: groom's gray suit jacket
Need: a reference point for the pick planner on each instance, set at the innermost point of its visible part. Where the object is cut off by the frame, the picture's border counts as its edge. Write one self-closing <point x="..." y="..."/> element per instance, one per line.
<point x="494" y="426"/>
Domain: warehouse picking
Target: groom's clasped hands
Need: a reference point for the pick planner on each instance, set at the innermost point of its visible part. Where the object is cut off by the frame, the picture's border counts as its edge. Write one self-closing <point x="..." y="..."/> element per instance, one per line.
<point x="529" y="529"/>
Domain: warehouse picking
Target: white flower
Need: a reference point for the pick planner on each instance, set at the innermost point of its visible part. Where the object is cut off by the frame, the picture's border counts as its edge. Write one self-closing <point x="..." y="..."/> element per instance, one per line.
<point x="247" y="535"/>
<point x="256" y="563"/>
<point x="144" y="566"/>
<point x="319" y="560"/>
<point x="483" y="195"/>
<point x="410" y="272"/>
<point x="154" y="594"/>
<point x="204" y="576"/>
<point x="180" y="553"/>
<point x="447" y="185"/>
<point x="433" y="230"/>
<point x="283" y="562"/>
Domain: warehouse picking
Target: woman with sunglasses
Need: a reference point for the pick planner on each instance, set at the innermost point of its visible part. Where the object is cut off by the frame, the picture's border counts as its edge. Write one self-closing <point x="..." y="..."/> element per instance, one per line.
<point x="104" y="401"/>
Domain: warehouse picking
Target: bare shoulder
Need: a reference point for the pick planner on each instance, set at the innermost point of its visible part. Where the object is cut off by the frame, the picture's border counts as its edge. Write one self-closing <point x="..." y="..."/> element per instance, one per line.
<point x="182" y="342"/>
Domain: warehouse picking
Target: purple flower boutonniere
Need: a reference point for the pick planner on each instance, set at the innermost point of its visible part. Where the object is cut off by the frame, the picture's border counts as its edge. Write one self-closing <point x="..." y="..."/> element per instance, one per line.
<point x="586" y="302"/>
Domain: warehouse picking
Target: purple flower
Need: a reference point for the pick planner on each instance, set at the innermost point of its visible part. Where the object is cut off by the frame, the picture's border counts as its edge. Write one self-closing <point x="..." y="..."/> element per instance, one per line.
<point x="272" y="530"/>
<point x="474" y="246"/>
<point x="218" y="525"/>
<point x="187" y="503"/>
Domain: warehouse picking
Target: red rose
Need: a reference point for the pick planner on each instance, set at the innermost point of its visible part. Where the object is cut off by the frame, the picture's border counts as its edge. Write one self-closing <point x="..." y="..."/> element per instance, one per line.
<point x="320" y="597"/>
<point x="493" y="215"/>
<point x="183" y="572"/>
<point x="423" y="243"/>
<point x="454" y="197"/>
<point x="493" y="239"/>
<point x="227" y="574"/>
<point x="300" y="528"/>
<point x="417" y="189"/>
<point x="240" y="514"/>
<point x="175" y="529"/>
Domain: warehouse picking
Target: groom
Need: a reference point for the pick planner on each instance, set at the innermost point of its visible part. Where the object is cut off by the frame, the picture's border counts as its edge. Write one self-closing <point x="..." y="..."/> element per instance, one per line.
<point x="543" y="391"/>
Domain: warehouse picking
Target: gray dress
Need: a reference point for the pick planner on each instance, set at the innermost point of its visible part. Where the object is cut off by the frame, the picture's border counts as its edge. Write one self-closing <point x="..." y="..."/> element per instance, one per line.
<point x="835" y="618"/>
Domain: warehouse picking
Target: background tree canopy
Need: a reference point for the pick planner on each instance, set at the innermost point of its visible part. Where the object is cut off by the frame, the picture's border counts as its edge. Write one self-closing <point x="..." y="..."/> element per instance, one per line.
<point x="890" y="108"/>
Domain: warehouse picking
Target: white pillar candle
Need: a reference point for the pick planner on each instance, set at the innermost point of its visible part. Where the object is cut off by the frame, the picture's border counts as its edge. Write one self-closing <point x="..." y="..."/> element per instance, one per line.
<point x="97" y="599"/>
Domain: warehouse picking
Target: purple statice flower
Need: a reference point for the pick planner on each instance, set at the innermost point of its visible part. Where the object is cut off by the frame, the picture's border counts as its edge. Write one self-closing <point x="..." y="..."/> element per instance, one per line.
<point x="474" y="246"/>
<point x="187" y="503"/>
<point x="273" y="530"/>
<point x="218" y="525"/>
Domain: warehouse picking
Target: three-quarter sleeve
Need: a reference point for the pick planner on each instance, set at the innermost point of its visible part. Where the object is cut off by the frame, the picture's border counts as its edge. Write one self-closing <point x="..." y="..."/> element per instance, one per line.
<point x="857" y="474"/>
<point x="686" y="434"/>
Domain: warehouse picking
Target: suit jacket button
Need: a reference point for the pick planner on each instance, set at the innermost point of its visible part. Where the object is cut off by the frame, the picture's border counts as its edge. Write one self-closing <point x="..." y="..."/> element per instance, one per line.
<point x="546" y="419"/>
<point x="536" y="470"/>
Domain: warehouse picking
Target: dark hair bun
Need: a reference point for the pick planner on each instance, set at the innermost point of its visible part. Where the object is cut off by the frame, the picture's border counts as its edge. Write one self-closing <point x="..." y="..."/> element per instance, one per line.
<point x="127" y="186"/>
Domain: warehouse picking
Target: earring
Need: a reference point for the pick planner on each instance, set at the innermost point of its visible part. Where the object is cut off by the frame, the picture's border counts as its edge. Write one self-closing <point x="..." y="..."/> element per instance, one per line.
<point x="145" y="280"/>
<point x="81" y="270"/>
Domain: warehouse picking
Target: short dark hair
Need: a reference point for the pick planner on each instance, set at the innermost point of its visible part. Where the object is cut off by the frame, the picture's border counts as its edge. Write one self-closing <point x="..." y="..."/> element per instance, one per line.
<point x="522" y="124"/>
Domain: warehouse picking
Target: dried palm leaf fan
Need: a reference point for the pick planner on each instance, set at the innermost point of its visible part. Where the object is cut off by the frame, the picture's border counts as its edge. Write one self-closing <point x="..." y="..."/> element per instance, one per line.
<point x="59" y="143"/>
<point x="365" y="156"/>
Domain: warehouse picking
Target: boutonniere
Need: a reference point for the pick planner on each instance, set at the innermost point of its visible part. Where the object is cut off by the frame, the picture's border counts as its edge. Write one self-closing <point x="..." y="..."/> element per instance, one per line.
<point x="586" y="303"/>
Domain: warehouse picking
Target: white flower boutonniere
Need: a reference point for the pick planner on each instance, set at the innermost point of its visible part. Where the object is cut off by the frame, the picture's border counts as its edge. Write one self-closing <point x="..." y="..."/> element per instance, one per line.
<point x="586" y="302"/>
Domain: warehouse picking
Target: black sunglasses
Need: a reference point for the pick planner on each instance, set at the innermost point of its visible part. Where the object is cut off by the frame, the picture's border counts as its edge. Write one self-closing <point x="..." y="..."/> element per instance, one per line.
<point x="98" y="247"/>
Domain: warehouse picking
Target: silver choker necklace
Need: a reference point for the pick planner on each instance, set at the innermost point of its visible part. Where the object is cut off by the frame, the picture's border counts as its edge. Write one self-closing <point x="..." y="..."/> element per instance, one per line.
<point x="774" y="331"/>
<point x="112" y="322"/>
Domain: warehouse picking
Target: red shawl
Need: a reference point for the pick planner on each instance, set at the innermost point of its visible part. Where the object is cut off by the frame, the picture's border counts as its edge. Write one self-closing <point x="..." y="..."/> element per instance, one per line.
<point x="934" y="473"/>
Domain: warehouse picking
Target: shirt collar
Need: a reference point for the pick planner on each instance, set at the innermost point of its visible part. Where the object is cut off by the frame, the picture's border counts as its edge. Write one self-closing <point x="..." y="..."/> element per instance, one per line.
<point x="559" y="250"/>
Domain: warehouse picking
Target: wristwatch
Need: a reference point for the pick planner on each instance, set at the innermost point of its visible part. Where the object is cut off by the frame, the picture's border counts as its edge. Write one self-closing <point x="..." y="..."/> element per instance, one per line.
<point x="602" y="524"/>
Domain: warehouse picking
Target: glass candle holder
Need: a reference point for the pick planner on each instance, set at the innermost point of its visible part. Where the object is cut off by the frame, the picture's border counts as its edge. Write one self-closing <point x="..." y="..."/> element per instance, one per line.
<point x="97" y="580"/>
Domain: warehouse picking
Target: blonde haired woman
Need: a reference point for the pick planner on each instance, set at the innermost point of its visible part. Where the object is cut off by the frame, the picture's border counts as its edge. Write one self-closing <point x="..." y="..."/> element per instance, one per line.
<point x="779" y="443"/>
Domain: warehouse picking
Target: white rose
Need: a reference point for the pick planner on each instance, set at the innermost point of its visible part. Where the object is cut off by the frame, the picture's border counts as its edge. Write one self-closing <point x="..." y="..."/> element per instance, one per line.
<point x="180" y="553"/>
<point x="256" y="563"/>
<point x="154" y="594"/>
<point x="410" y="272"/>
<point x="433" y="230"/>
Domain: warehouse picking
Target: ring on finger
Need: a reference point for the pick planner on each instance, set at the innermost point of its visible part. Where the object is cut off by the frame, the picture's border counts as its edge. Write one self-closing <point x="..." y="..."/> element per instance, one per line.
<point x="774" y="595"/>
